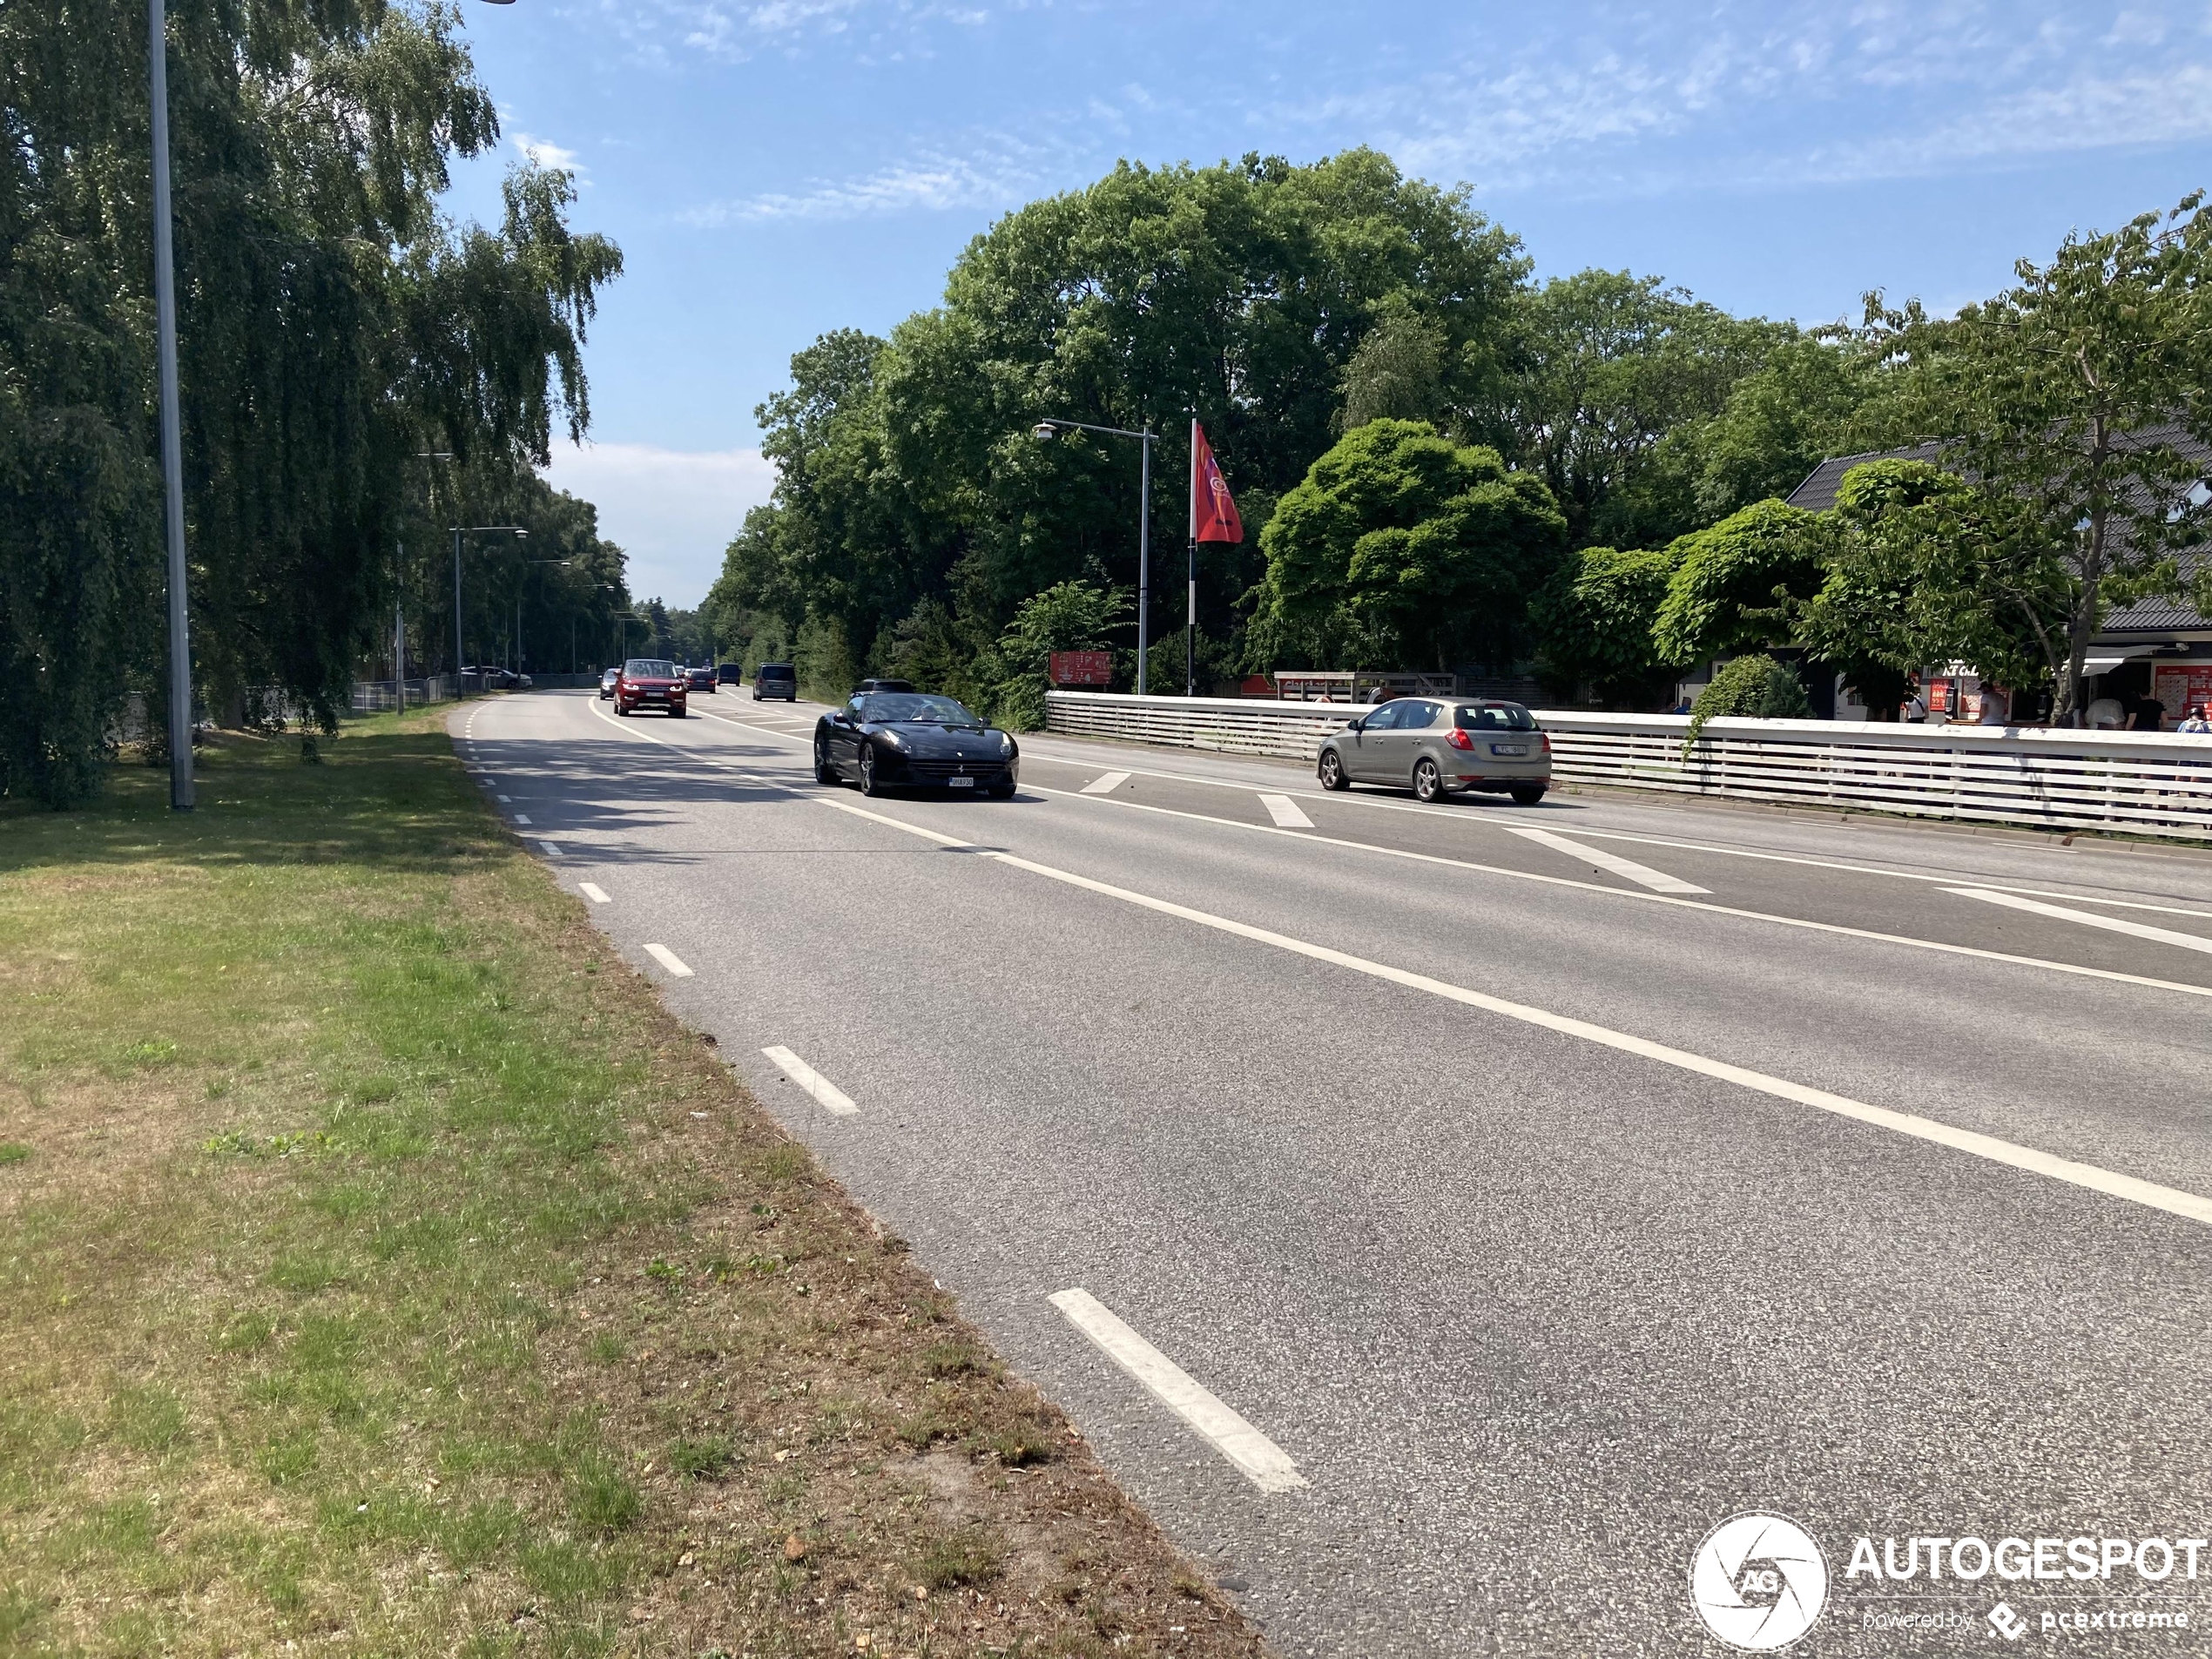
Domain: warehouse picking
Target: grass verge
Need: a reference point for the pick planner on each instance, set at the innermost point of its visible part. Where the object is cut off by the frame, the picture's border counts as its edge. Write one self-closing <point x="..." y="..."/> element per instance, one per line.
<point x="382" y="1271"/>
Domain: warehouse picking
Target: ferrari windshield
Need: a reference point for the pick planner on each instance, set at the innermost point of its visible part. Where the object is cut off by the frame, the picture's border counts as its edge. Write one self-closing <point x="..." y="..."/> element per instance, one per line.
<point x="649" y="668"/>
<point x="914" y="708"/>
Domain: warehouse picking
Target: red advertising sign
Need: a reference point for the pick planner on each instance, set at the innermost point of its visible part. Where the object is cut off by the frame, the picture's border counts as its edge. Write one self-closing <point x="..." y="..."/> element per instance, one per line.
<point x="1083" y="668"/>
<point x="2181" y="687"/>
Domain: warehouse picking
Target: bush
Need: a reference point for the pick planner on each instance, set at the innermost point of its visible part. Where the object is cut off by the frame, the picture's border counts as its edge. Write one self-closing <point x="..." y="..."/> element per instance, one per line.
<point x="1756" y="687"/>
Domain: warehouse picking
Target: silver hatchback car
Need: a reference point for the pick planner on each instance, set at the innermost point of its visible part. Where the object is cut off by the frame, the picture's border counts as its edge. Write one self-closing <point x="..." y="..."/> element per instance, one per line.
<point x="1441" y="748"/>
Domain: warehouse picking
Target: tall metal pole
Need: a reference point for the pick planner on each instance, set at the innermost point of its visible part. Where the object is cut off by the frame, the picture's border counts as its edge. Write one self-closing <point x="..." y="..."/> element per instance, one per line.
<point x="457" y="687"/>
<point x="1144" y="562"/>
<point x="1190" y="627"/>
<point x="172" y="459"/>
<point x="399" y="633"/>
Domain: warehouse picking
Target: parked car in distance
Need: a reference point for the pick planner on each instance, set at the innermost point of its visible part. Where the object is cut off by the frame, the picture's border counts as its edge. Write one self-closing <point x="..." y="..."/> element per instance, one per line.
<point x="607" y="685"/>
<point x="865" y="687"/>
<point x="914" y="740"/>
<point x="730" y="674"/>
<point x="652" y="683"/>
<point x="775" y="679"/>
<point x="700" y="679"/>
<point x="1437" y="747"/>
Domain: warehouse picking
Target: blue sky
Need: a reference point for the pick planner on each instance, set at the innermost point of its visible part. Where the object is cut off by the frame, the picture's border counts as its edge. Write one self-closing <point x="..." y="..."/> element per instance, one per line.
<point x="774" y="170"/>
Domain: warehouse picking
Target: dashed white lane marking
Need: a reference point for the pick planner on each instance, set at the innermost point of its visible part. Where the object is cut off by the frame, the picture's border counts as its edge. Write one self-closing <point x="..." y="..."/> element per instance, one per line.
<point x="1263" y="1463"/>
<point x="507" y="798"/>
<point x="825" y="1094"/>
<point x="2149" y="1193"/>
<point x="1286" y="812"/>
<point x="594" y="892"/>
<point x="521" y="818"/>
<point x="668" y="960"/>
<point x="1628" y="869"/>
<point x="1106" y="783"/>
<point x="2087" y="918"/>
<point x="552" y="849"/>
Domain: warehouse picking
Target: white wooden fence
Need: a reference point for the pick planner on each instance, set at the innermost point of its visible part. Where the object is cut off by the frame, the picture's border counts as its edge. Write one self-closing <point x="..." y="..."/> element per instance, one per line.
<point x="2140" y="782"/>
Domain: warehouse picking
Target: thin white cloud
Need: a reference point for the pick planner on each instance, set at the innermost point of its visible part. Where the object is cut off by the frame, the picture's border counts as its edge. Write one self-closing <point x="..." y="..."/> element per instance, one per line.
<point x="543" y="153"/>
<point x="989" y="172"/>
<point x="673" y="510"/>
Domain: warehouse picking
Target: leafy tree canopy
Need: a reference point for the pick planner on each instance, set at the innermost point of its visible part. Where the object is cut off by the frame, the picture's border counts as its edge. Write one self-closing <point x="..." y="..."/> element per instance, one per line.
<point x="1593" y="623"/>
<point x="1400" y="545"/>
<point x="1732" y="584"/>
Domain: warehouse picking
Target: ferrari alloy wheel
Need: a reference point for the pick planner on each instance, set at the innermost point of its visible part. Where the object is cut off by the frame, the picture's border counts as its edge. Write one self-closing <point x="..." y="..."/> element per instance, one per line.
<point x="824" y="772"/>
<point x="868" y="784"/>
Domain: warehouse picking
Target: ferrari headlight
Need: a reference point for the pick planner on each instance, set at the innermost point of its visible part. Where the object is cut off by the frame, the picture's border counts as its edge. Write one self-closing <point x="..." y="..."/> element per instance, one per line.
<point x="1005" y="744"/>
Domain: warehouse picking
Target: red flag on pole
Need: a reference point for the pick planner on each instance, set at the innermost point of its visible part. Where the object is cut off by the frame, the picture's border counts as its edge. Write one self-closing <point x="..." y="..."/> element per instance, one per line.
<point x="1213" y="513"/>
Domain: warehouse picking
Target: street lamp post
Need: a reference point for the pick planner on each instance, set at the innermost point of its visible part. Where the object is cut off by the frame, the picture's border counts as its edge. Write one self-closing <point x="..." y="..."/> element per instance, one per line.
<point x="172" y="463"/>
<point x="1043" y="432"/>
<point x="460" y="531"/>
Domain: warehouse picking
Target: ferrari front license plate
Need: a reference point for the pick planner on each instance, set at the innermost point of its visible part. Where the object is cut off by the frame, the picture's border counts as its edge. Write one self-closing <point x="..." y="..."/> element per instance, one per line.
<point x="960" y="783"/>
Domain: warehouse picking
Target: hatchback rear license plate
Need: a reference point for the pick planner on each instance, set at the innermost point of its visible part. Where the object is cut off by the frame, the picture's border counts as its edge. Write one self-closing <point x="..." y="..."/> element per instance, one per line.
<point x="1508" y="748"/>
<point x="960" y="783"/>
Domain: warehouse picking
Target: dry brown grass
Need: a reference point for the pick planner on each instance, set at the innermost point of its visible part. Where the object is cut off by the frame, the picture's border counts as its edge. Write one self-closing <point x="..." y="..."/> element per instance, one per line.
<point x="383" y="1270"/>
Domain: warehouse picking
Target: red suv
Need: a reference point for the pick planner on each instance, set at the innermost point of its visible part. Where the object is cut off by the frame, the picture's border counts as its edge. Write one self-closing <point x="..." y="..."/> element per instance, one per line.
<point x="651" y="683"/>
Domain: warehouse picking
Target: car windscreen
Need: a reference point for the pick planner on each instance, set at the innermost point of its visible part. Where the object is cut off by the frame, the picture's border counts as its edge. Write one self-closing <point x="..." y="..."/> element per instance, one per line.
<point x="1495" y="717"/>
<point x="895" y="708"/>
<point x="649" y="668"/>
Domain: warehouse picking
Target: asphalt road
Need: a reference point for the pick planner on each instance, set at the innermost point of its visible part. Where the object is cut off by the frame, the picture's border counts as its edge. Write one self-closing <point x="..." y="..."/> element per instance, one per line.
<point x="1531" y="1205"/>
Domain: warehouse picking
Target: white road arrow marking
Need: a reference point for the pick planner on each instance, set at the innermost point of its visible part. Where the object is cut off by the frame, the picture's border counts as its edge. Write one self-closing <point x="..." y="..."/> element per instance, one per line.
<point x="2087" y="918"/>
<point x="1286" y="812"/>
<point x="1628" y="869"/>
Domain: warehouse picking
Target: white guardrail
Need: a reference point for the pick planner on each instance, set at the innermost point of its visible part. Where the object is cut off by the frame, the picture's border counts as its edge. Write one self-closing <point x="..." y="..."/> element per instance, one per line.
<point x="2140" y="782"/>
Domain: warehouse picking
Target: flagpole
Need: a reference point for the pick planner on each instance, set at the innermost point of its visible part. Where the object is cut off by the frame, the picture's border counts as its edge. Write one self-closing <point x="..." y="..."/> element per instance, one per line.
<point x="1190" y="628"/>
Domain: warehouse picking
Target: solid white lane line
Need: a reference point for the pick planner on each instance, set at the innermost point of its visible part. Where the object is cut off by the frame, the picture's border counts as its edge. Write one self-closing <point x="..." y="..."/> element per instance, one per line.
<point x="1264" y="1464"/>
<point x="2170" y="1199"/>
<point x="1847" y="866"/>
<point x="811" y="1083"/>
<point x="1809" y="925"/>
<point x="1628" y="869"/>
<point x="668" y="960"/>
<point x="1106" y="783"/>
<point x="1286" y="812"/>
<point x="594" y="892"/>
<point x="2087" y="918"/>
<point x="521" y="818"/>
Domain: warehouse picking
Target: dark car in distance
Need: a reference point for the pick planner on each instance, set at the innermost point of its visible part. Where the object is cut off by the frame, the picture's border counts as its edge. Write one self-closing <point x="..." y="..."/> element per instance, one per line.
<point x="652" y="683"/>
<point x="775" y="679"/>
<point x="731" y="673"/>
<point x="607" y="685"/>
<point x="700" y="679"/>
<point x="914" y="740"/>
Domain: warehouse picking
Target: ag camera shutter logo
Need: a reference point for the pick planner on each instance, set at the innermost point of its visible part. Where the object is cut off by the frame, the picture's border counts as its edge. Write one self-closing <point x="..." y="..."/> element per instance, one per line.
<point x="1758" y="1581"/>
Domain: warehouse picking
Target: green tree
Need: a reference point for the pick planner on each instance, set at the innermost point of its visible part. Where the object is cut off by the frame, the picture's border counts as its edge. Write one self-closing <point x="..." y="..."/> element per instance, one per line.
<point x="1593" y="625"/>
<point x="1603" y="366"/>
<point x="1068" y="616"/>
<point x="331" y="325"/>
<point x="1400" y="546"/>
<point x="1923" y="569"/>
<point x="2075" y="392"/>
<point x="1733" y="583"/>
<point x="1398" y="371"/>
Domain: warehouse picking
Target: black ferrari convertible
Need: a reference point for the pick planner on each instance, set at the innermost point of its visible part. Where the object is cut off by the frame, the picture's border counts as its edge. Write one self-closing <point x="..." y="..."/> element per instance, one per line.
<point x="914" y="740"/>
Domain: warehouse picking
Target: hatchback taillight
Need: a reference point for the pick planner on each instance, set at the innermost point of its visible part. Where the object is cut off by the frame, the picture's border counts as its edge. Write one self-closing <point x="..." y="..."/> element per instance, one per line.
<point x="1547" y="736"/>
<point x="1459" y="739"/>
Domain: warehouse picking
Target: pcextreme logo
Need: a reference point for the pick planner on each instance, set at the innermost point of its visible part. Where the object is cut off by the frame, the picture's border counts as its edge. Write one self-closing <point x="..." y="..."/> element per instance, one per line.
<point x="1758" y="1581"/>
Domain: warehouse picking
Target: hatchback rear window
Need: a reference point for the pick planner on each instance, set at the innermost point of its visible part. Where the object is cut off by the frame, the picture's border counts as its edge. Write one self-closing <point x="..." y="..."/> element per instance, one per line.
<point x="776" y="671"/>
<point x="1495" y="717"/>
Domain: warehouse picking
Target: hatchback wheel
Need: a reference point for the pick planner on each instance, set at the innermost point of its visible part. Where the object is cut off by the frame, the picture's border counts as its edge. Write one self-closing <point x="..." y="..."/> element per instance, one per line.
<point x="868" y="784"/>
<point x="1527" y="794"/>
<point x="1428" y="783"/>
<point x="1331" y="771"/>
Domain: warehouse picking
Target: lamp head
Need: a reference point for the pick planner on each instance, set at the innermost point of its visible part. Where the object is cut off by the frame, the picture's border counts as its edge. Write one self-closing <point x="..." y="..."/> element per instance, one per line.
<point x="1043" y="431"/>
